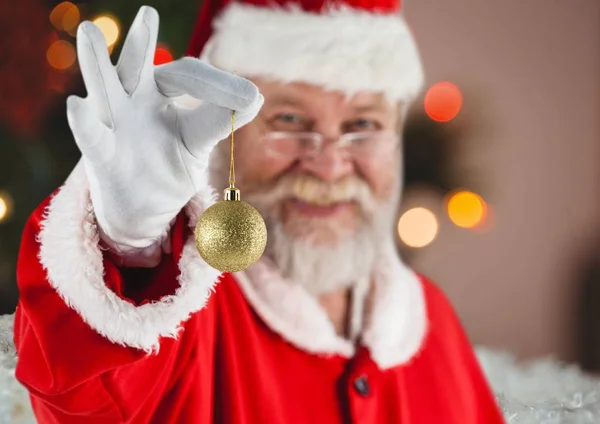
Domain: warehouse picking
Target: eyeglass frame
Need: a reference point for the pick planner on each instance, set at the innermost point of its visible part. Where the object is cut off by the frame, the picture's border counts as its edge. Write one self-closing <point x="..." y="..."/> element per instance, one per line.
<point x="340" y="142"/>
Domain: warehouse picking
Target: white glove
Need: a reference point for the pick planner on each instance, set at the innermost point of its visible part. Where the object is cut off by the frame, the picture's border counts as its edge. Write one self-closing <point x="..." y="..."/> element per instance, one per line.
<point x="144" y="156"/>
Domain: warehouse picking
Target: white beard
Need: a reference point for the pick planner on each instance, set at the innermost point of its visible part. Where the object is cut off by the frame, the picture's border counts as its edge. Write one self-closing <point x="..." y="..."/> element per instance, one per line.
<point x="321" y="268"/>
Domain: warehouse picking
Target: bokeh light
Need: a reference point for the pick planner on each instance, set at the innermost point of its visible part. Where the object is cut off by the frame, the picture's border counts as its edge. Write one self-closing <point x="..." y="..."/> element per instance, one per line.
<point x="162" y="55"/>
<point x="61" y="55"/>
<point x="3" y="209"/>
<point x="466" y="209"/>
<point x="71" y="19"/>
<point x="65" y="16"/>
<point x="418" y="227"/>
<point x="109" y="28"/>
<point x="5" y="206"/>
<point x="443" y="101"/>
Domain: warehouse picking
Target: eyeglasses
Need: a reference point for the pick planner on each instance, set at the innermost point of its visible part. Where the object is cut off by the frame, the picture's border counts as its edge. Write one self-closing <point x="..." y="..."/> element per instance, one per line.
<point x="358" y="145"/>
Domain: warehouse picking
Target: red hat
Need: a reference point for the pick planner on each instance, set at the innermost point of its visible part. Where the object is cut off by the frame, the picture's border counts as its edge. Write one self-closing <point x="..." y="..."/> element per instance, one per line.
<point x="349" y="45"/>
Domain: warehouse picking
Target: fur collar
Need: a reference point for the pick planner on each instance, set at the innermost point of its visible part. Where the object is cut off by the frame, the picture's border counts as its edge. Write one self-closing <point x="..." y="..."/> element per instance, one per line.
<point x="395" y="321"/>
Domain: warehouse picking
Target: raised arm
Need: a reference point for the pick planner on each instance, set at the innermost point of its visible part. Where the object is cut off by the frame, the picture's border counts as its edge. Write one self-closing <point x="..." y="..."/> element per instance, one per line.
<point x="95" y="337"/>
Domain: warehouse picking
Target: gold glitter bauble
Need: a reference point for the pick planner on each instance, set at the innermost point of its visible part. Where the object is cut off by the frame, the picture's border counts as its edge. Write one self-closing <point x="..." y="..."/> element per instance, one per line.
<point x="231" y="235"/>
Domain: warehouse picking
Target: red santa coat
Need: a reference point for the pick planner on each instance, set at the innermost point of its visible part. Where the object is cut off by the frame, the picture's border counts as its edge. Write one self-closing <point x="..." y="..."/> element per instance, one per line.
<point x="102" y="344"/>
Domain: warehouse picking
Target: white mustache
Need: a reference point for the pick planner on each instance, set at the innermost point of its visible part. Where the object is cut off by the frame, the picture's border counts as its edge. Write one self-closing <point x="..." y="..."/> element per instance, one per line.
<point x="310" y="189"/>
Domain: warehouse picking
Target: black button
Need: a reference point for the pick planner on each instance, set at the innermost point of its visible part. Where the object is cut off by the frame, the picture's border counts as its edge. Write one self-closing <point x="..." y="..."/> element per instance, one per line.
<point x="361" y="385"/>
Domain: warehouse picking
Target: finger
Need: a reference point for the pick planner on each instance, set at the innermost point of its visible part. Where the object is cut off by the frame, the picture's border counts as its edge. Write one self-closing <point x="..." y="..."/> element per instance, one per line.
<point x="136" y="62"/>
<point x="93" y="138"/>
<point x="205" y="82"/>
<point x="101" y="81"/>
<point x="202" y="128"/>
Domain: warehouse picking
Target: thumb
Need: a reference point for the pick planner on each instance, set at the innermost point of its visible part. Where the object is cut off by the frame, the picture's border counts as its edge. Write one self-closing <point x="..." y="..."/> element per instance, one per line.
<point x="94" y="139"/>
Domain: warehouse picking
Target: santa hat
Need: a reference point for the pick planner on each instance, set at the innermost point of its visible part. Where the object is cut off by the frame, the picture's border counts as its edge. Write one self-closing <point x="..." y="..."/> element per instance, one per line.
<point x="348" y="46"/>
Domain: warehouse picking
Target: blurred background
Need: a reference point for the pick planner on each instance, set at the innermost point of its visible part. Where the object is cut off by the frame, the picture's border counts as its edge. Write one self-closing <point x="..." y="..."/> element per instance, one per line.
<point x="501" y="205"/>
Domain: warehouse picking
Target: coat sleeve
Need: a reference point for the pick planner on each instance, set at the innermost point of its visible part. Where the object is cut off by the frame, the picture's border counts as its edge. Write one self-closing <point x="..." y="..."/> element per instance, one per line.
<point x="92" y="339"/>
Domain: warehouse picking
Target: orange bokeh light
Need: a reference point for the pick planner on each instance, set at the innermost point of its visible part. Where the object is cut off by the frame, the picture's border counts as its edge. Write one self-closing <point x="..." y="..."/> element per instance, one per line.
<point x="443" y="101"/>
<point x="162" y="55"/>
<point x="467" y="209"/>
<point x="61" y="55"/>
<point x="65" y="16"/>
<point x="71" y="19"/>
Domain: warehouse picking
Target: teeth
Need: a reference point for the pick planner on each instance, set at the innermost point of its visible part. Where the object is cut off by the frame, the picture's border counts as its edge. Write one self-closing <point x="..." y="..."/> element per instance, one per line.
<point x="323" y="194"/>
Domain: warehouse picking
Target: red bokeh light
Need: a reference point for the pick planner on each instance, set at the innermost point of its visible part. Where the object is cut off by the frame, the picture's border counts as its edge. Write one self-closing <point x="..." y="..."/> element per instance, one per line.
<point x="162" y="55"/>
<point x="443" y="101"/>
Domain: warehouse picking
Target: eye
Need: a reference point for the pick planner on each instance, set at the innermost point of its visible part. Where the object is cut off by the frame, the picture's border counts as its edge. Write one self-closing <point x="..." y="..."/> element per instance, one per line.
<point x="362" y="124"/>
<point x="289" y="122"/>
<point x="289" y="118"/>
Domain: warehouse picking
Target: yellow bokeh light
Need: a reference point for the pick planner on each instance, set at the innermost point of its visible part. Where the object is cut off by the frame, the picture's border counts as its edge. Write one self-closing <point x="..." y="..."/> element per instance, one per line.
<point x="418" y="227"/>
<point x="61" y="55"/>
<point x="109" y="28"/>
<point x="5" y="206"/>
<point x="466" y="209"/>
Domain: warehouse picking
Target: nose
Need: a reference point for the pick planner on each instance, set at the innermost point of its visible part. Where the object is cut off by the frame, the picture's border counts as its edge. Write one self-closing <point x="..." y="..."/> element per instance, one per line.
<point x="330" y="164"/>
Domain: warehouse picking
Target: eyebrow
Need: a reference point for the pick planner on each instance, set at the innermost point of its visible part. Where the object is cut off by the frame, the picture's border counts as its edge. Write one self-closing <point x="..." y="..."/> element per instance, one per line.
<point x="285" y="100"/>
<point x="375" y="107"/>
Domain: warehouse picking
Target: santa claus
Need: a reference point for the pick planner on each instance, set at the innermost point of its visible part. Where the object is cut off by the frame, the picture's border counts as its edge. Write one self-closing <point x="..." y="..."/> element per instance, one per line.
<point x="121" y="321"/>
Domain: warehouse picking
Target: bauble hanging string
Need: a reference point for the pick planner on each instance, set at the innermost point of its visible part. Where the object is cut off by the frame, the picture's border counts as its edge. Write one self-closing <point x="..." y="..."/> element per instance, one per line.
<point x="231" y="235"/>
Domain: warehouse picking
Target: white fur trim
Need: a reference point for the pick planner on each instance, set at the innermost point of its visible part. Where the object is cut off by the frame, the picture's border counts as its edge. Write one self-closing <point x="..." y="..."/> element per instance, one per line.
<point x="70" y="253"/>
<point x="395" y="320"/>
<point x="346" y="49"/>
<point x="396" y="324"/>
<point x="291" y="311"/>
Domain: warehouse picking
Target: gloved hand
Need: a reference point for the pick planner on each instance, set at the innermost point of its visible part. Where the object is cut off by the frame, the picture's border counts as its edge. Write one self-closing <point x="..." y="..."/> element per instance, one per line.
<point x="144" y="156"/>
